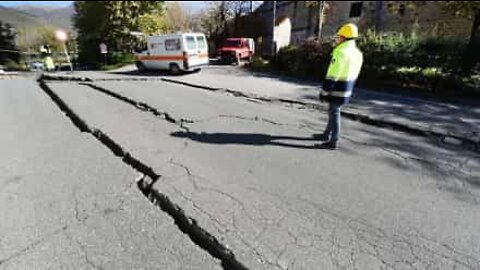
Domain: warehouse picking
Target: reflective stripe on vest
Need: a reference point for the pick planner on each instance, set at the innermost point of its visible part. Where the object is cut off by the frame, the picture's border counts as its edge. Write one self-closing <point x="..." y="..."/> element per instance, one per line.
<point x="342" y="72"/>
<point x="336" y="93"/>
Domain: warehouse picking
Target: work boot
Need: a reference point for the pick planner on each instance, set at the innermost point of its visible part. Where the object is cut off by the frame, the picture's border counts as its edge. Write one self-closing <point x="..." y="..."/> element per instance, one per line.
<point x="321" y="137"/>
<point x="327" y="145"/>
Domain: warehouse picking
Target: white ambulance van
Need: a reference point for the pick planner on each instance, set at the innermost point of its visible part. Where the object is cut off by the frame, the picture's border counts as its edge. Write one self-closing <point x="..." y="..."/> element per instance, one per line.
<point x="175" y="52"/>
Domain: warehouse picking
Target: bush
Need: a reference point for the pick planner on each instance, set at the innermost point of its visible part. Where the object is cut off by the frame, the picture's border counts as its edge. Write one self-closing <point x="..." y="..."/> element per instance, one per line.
<point x="392" y="59"/>
<point x="308" y="60"/>
<point x="258" y="63"/>
<point x="11" y="65"/>
<point x="411" y="51"/>
<point x="409" y="61"/>
<point x="121" y="58"/>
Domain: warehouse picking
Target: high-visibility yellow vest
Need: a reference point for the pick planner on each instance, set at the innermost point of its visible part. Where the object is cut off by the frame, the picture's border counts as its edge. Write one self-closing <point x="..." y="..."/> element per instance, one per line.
<point x="342" y="72"/>
<point x="49" y="65"/>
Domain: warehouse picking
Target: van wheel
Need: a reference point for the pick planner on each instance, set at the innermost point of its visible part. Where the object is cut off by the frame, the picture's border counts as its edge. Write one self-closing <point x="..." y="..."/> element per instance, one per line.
<point x="140" y="66"/>
<point x="174" y="69"/>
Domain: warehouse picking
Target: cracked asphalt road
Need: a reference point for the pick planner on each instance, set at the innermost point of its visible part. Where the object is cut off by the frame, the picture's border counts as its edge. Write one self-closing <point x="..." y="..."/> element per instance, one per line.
<point x="246" y="172"/>
<point x="67" y="203"/>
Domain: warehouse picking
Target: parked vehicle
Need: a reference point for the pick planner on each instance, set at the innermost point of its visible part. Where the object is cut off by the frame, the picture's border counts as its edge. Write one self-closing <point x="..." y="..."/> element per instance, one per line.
<point x="36" y="66"/>
<point x="64" y="67"/>
<point x="237" y="49"/>
<point x="175" y="52"/>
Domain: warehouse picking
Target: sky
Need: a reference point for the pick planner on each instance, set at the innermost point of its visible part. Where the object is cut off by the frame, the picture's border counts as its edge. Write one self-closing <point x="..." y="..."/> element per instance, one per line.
<point x="35" y="3"/>
<point x="193" y="5"/>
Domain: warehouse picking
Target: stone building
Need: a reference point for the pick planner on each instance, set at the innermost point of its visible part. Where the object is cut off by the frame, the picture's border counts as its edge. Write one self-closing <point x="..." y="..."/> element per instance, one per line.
<point x="296" y="21"/>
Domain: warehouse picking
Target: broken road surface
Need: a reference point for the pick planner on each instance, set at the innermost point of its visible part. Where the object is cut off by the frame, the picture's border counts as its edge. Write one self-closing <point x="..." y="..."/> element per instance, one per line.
<point x="67" y="203"/>
<point x="154" y="175"/>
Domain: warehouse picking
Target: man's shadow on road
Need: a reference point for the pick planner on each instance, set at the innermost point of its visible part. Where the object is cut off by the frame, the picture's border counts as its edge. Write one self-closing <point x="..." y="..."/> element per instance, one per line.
<point x="244" y="139"/>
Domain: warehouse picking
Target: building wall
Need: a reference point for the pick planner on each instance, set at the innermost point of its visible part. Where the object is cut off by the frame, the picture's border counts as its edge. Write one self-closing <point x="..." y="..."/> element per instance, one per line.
<point x="304" y="21"/>
<point x="427" y="18"/>
<point x="336" y="14"/>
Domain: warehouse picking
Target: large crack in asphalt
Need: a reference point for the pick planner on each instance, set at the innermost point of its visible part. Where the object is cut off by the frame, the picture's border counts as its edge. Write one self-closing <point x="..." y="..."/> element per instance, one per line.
<point x="466" y="142"/>
<point x="141" y="106"/>
<point x="185" y="223"/>
<point x="146" y="182"/>
<point x="180" y="122"/>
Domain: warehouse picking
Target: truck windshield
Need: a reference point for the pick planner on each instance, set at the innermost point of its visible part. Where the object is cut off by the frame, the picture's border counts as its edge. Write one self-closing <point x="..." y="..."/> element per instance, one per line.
<point x="233" y="43"/>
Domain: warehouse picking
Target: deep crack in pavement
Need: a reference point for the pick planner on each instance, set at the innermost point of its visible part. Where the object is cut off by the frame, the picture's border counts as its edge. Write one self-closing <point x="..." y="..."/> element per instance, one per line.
<point x="186" y="224"/>
<point x="145" y="184"/>
<point x="465" y="141"/>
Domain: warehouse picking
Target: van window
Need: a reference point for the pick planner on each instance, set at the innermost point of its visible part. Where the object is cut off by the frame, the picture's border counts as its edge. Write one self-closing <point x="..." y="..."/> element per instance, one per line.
<point x="191" y="43"/>
<point x="201" y="42"/>
<point x="236" y="43"/>
<point x="172" y="44"/>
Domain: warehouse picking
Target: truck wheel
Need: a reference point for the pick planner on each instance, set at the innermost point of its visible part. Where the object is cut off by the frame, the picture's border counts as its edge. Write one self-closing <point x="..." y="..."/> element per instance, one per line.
<point x="140" y="66"/>
<point x="174" y="69"/>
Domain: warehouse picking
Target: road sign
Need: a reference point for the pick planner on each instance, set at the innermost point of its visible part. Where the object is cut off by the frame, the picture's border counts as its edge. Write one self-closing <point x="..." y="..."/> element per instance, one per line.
<point x="103" y="48"/>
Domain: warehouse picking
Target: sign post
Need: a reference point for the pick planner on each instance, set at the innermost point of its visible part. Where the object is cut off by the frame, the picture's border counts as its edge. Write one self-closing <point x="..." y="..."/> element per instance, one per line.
<point x="104" y="51"/>
<point x="62" y="36"/>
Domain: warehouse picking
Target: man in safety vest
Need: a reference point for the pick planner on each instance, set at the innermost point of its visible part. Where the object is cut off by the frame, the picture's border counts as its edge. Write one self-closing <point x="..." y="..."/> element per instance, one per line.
<point x="47" y="58"/>
<point x="338" y="85"/>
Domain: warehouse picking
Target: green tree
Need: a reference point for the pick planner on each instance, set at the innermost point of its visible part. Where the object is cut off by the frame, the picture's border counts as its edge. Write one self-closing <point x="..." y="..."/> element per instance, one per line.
<point x="111" y="22"/>
<point x="472" y="10"/>
<point x="177" y="18"/>
<point x="151" y="24"/>
<point x="213" y="21"/>
<point x="8" y="50"/>
<point x="46" y="36"/>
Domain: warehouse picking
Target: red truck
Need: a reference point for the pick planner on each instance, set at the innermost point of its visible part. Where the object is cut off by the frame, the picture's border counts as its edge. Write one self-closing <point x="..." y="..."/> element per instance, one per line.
<point x="236" y="49"/>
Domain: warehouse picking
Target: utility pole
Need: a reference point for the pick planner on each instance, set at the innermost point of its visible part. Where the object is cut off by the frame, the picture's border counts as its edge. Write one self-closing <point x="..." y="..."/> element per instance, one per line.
<point x="321" y="7"/>
<point x="62" y="36"/>
<point x="379" y="16"/>
<point x="273" y="27"/>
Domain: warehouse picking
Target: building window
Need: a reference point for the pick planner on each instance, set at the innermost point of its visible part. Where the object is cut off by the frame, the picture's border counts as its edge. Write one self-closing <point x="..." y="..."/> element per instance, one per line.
<point x="390" y="7"/>
<point x="401" y="9"/>
<point x="356" y="9"/>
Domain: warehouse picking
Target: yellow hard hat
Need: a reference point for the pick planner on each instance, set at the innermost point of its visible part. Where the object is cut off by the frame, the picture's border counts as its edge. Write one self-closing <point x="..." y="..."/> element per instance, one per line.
<point x="348" y="30"/>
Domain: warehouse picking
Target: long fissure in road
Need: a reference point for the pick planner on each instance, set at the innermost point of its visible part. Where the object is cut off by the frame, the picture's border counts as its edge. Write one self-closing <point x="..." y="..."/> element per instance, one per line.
<point x="465" y="142"/>
<point x="186" y="224"/>
<point x="105" y="105"/>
